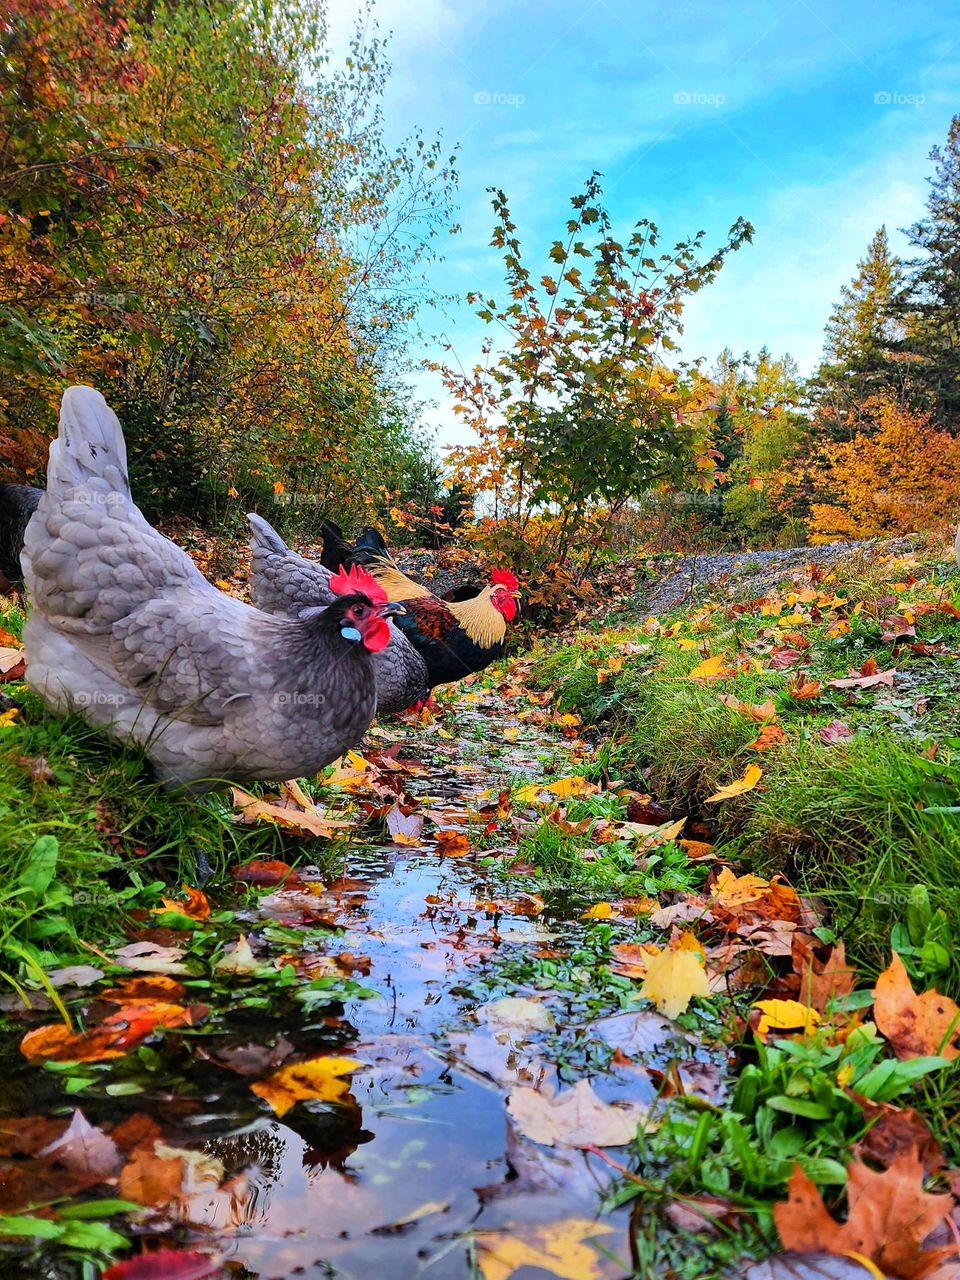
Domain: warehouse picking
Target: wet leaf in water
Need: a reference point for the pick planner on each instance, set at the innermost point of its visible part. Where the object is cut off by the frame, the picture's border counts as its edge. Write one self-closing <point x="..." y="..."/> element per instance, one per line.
<point x="150" y="957"/>
<point x="84" y="1148"/>
<point x="264" y="872"/>
<point x="560" y="1248"/>
<point x="116" y="1036"/>
<point x="517" y="1011"/>
<point x="574" y="1117"/>
<point x="166" y="1264"/>
<point x="318" y="1078"/>
<point x="238" y="958"/>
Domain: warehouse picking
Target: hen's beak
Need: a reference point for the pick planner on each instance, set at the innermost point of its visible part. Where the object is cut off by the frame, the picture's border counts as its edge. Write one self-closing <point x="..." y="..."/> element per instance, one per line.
<point x="391" y="610"/>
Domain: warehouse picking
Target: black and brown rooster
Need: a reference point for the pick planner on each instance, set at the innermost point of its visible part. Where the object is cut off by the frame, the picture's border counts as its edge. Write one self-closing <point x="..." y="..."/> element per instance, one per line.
<point x="454" y="636"/>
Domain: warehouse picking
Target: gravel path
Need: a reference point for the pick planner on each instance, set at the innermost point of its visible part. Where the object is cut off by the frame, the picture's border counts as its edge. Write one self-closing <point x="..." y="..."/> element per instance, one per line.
<point x="750" y="573"/>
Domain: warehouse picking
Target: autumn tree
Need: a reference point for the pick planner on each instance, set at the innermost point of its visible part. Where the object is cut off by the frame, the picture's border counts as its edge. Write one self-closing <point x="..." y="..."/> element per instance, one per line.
<point x="578" y="409"/>
<point x="930" y="305"/>
<point x="900" y="476"/>
<point x="203" y="219"/>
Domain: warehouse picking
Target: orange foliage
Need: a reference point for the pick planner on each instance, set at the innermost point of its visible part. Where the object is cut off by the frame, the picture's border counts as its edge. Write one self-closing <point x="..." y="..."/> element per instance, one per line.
<point x="902" y="477"/>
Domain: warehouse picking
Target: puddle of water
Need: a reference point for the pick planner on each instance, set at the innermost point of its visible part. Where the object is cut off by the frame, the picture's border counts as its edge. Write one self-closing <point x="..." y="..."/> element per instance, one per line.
<point x="392" y="1183"/>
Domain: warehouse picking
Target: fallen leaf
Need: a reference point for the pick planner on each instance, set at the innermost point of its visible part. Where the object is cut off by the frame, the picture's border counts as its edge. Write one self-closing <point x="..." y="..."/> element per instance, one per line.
<point x="673" y="978"/>
<point x="562" y="787"/>
<point x="150" y="957"/>
<point x="318" y="1078"/>
<point x="289" y="816"/>
<point x="753" y="711"/>
<point x="116" y="1036"/>
<point x="801" y="689"/>
<point x="916" y="1026"/>
<point x="834" y="732"/>
<point x="749" y="779"/>
<point x="714" y="668"/>
<point x="770" y="736"/>
<point x="12" y="665"/>
<point x="574" y="1117"/>
<point x="84" y="1148"/>
<point x="238" y="959"/>
<point x="864" y="681"/>
<point x="732" y="892"/>
<point x="889" y="1216"/>
<point x="196" y="906"/>
<point x="517" y="1011"/>
<point x="452" y="844"/>
<point x="265" y="872"/>
<point x="559" y="1248"/>
<point x="166" y="1264"/>
<point x="783" y="657"/>
<point x="785" y="1015"/>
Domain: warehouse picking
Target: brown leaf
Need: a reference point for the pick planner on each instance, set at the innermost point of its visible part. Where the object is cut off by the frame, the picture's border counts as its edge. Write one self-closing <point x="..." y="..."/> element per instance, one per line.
<point x="865" y="679"/>
<point x="784" y="657"/>
<point x="83" y="1148"/>
<point x="261" y="871"/>
<point x="890" y="1215"/>
<point x="574" y="1117"/>
<point x="834" y="732"/>
<point x="916" y="1026"/>
<point x="771" y="735"/>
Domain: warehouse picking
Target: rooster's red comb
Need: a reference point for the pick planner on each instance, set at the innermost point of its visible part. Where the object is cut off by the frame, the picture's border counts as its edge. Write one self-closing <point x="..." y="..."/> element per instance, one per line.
<point x="354" y="579"/>
<point x="504" y="578"/>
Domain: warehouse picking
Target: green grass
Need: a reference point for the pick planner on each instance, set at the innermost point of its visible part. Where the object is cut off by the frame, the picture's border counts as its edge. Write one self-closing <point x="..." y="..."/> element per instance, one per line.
<point x="860" y="824"/>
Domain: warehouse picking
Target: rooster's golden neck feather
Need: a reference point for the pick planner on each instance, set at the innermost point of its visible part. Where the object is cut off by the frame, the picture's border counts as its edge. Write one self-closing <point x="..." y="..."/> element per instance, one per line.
<point x="396" y="584"/>
<point x="484" y="624"/>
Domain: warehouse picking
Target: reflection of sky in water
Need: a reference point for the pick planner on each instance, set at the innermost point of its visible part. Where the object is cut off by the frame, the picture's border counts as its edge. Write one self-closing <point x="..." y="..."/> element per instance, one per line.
<point x="389" y="1194"/>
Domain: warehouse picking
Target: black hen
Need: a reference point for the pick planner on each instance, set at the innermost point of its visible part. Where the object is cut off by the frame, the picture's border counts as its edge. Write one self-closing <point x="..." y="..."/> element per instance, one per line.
<point x="18" y="502"/>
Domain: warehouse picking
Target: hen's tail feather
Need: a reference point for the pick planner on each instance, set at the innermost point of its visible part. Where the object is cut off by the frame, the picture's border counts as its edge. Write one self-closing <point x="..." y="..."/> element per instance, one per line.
<point x="264" y="536"/>
<point x="90" y="449"/>
<point x="336" y="551"/>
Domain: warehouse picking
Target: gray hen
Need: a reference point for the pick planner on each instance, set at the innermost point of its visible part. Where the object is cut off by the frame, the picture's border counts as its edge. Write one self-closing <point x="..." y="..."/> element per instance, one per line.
<point x="124" y="628"/>
<point x="284" y="583"/>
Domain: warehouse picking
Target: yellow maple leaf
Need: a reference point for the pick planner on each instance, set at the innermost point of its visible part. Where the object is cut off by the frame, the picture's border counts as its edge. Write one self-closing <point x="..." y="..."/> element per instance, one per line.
<point x="710" y="669"/>
<point x="673" y="979"/>
<point x="732" y="891"/>
<point x="751" y="776"/>
<point x="599" y="911"/>
<point x="785" y="1015"/>
<point x="318" y="1078"/>
<point x="559" y="1248"/>
<point x="563" y="787"/>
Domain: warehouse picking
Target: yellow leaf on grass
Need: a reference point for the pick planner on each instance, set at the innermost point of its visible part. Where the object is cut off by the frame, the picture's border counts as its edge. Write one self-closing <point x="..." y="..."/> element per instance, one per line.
<point x="306" y="822"/>
<point x="751" y="776"/>
<point x="759" y="711"/>
<point x="196" y="907"/>
<point x="563" y="787"/>
<point x="8" y="717"/>
<point x="599" y="911"/>
<point x="673" y="979"/>
<point x="785" y="1015"/>
<point x="317" y="1078"/>
<point x="710" y="669"/>
<point x="559" y="1248"/>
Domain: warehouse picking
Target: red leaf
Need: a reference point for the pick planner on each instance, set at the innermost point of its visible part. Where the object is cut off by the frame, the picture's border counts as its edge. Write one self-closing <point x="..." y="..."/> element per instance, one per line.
<point x="167" y="1264"/>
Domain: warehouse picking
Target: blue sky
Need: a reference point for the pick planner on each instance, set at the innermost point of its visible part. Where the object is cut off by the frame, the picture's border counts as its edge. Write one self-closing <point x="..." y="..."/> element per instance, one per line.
<point x="814" y="121"/>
